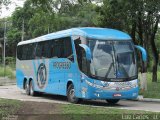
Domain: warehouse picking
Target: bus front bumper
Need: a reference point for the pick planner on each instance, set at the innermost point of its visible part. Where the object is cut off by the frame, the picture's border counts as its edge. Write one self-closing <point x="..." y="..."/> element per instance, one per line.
<point x="108" y="94"/>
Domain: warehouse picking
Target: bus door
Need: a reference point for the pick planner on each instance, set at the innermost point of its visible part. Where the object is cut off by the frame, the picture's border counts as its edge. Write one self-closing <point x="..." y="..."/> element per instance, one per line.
<point x="82" y="64"/>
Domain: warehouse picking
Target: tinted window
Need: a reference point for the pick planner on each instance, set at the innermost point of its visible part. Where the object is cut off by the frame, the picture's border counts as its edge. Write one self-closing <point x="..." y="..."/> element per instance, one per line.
<point x="59" y="48"/>
<point x="26" y="52"/>
<point x="43" y="49"/>
<point x="30" y="51"/>
<point x="19" y="52"/>
<point x="39" y="50"/>
<point x="67" y="47"/>
<point x="46" y="51"/>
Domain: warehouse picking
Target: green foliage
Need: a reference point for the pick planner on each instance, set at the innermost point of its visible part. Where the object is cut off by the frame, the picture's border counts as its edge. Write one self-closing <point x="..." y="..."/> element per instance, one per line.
<point x="153" y="88"/>
<point x="39" y="25"/>
<point x="7" y="72"/>
<point x="11" y="62"/>
<point x="157" y="40"/>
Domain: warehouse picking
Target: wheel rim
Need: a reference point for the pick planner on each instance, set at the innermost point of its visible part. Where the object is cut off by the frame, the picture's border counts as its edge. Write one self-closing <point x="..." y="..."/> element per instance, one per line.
<point x="31" y="89"/>
<point x="72" y="94"/>
<point x="26" y="88"/>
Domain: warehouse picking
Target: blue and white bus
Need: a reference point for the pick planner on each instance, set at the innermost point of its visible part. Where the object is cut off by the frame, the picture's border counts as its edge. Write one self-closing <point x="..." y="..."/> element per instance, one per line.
<point x="80" y="63"/>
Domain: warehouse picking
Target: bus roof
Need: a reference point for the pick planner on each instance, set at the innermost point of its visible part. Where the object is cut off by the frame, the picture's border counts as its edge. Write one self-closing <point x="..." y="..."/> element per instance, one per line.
<point x="89" y="32"/>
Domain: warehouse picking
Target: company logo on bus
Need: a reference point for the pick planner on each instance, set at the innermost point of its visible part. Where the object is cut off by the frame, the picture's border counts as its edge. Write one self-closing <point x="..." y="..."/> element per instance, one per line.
<point x="62" y="65"/>
<point x="41" y="75"/>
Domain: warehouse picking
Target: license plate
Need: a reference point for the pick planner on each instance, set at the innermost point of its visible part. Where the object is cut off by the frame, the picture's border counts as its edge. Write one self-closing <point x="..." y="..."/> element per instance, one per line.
<point x="117" y="95"/>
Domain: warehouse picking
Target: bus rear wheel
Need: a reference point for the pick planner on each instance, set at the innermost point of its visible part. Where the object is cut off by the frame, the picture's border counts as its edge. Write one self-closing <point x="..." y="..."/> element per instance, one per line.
<point x="31" y="89"/>
<point x="71" y="94"/>
<point x="26" y="88"/>
<point x="112" y="101"/>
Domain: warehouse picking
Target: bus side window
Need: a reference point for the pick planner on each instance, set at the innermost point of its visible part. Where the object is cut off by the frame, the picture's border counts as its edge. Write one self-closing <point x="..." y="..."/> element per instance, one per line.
<point x="61" y="48"/>
<point x="56" y="50"/>
<point x="47" y="49"/>
<point x="39" y="50"/>
<point x="67" y="47"/>
<point x="30" y="52"/>
<point x="25" y="50"/>
<point x="19" y="52"/>
<point x="52" y="49"/>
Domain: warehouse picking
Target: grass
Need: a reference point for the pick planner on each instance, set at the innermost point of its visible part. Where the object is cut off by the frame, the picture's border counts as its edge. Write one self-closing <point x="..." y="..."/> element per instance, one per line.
<point x="94" y="113"/>
<point x="8" y="107"/>
<point x="153" y="88"/>
<point x="7" y="72"/>
<point x="83" y="109"/>
<point x="73" y="111"/>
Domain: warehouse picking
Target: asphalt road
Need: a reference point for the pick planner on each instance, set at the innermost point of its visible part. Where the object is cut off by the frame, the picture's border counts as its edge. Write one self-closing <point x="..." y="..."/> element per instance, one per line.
<point x="12" y="92"/>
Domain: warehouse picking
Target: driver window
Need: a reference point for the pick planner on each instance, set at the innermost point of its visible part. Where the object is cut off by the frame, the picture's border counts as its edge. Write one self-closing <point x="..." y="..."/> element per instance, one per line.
<point x="81" y="57"/>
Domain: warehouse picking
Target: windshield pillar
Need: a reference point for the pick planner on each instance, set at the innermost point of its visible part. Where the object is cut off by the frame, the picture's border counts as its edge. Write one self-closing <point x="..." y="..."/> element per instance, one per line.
<point x="83" y="63"/>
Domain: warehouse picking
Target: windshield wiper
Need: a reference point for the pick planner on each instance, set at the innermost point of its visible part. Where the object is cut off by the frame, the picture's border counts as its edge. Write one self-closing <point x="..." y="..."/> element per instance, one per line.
<point x="106" y="76"/>
<point x="121" y="67"/>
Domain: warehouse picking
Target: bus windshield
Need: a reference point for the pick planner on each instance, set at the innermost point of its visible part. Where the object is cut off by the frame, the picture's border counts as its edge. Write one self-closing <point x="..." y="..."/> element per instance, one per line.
<point x="112" y="59"/>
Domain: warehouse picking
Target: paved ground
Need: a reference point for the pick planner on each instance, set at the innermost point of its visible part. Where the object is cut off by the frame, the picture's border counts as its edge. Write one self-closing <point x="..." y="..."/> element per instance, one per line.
<point x="7" y="81"/>
<point x="12" y="92"/>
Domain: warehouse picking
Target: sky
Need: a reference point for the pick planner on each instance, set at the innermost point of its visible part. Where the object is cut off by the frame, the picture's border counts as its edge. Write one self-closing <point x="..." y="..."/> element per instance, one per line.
<point x="11" y="7"/>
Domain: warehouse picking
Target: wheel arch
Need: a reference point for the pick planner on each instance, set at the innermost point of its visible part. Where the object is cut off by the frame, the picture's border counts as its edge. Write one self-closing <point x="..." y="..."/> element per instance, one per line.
<point x="30" y="79"/>
<point x="69" y="83"/>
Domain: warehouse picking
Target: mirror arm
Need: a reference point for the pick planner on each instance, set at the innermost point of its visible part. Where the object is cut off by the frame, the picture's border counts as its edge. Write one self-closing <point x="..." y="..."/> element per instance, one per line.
<point x="143" y="51"/>
<point x="87" y="50"/>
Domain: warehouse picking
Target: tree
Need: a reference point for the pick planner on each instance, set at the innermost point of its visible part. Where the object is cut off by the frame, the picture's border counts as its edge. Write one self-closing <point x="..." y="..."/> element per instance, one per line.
<point x="149" y="18"/>
<point x="13" y="37"/>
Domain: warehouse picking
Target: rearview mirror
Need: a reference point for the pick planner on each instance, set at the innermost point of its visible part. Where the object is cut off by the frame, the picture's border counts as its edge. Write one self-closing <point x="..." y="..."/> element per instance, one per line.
<point x="143" y="51"/>
<point x="87" y="51"/>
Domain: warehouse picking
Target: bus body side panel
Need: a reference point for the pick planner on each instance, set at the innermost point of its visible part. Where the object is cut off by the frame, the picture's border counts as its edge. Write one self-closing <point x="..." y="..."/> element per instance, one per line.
<point x="24" y="70"/>
<point x="61" y="72"/>
<point x="58" y="73"/>
<point x="19" y="74"/>
<point x="56" y="78"/>
<point x="40" y="74"/>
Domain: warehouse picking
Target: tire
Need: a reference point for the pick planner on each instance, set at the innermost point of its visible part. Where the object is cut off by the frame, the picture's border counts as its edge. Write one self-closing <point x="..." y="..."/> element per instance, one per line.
<point x="71" y="94"/>
<point x="112" y="101"/>
<point x="27" y="88"/>
<point x="31" y="89"/>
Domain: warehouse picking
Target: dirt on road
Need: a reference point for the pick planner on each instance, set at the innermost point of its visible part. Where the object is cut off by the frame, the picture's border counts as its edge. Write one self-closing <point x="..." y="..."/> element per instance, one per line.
<point x="38" y="108"/>
<point x="38" y="111"/>
<point x="32" y="111"/>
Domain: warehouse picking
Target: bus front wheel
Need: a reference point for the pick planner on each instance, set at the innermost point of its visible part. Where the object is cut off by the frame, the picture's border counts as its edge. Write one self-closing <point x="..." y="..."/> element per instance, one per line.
<point x="112" y="101"/>
<point x="71" y="94"/>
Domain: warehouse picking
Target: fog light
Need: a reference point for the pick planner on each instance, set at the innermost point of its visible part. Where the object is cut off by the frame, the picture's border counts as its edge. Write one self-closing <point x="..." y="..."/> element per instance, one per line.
<point x="134" y="94"/>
